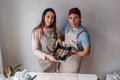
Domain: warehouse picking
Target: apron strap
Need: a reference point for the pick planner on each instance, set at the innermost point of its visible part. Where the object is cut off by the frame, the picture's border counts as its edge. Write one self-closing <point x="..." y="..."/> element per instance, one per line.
<point x="80" y="33"/>
<point x="68" y="29"/>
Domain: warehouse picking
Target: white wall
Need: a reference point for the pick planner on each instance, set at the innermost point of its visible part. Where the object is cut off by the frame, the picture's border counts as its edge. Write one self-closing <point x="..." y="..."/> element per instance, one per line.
<point x="1" y="64"/>
<point x="0" y="21"/>
<point x="104" y="29"/>
<point x="101" y="17"/>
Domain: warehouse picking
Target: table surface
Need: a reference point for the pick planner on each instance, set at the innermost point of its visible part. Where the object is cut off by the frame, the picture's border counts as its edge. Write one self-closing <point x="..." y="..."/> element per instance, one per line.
<point x="109" y="77"/>
<point x="63" y="76"/>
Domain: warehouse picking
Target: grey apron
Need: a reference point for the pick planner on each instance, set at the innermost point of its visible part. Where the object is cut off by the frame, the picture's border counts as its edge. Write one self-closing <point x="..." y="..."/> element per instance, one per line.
<point x="47" y="41"/>
<point x="72" y="63"/>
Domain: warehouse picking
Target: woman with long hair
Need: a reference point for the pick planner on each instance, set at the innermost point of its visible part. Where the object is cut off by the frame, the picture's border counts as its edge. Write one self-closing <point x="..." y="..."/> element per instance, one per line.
<point x="43" y="41"/>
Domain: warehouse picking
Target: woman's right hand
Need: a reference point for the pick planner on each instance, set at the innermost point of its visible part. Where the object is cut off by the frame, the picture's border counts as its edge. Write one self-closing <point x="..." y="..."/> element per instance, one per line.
<point x="58" y="41"/>
<point x="50" y="57"/>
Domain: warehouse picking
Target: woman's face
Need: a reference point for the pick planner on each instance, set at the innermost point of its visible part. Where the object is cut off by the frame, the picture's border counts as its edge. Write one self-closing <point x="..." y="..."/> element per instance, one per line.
<point x="49" y="18"/>
<point x="74" y="20"/>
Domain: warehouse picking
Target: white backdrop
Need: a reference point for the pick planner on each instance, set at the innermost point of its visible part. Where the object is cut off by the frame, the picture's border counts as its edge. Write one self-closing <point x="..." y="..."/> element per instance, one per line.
<point x="1" y="65"/>
<point x="101" y="17"/>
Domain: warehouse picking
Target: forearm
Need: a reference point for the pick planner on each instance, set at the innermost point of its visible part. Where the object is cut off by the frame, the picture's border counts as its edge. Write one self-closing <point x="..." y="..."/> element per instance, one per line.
<point x="39" y="53"/>
<point x="36" y="47"/>
<point x="85" y="52"/>
<point x="81" y="53"/>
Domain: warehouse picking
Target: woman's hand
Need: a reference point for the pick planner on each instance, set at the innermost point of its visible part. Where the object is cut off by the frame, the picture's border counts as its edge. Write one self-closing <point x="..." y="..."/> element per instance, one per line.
<point x="50" y="57"/>
<point x="58" y="42"/>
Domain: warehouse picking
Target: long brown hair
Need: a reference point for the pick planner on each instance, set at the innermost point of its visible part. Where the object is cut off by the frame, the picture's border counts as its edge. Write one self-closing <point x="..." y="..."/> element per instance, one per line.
<point x="42" y="23"/>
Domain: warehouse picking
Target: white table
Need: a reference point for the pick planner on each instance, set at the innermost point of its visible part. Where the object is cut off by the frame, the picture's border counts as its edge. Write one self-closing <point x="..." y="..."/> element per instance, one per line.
<point x="63" y="76"/>
<point x="109" y="77"/>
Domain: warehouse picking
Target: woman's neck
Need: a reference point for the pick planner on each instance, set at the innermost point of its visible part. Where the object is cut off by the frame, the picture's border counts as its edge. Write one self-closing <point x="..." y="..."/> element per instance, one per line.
<point x="48" y="28"/>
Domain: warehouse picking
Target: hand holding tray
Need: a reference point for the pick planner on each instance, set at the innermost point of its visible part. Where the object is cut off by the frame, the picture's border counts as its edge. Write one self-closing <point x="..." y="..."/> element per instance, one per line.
<point x="61" y="52"/>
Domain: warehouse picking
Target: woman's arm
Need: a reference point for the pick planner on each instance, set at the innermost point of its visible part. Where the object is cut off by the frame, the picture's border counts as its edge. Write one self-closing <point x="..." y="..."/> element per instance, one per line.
<point x="36" y="45"/>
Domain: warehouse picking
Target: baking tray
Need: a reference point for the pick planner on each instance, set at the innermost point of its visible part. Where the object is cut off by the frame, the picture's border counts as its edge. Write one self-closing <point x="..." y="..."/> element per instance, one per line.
<point x="61" y="52"/>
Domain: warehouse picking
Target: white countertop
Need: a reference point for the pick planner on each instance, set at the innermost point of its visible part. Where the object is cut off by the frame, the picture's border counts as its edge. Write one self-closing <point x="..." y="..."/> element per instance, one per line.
<point x="63" y="76"/>
<point x="87" y="77"/>
<point x="109" y="77"/>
